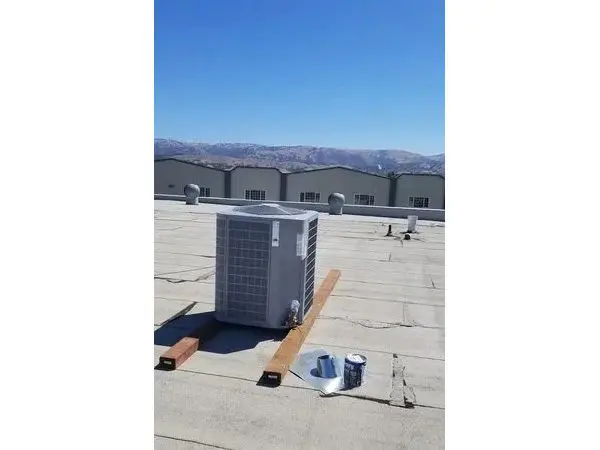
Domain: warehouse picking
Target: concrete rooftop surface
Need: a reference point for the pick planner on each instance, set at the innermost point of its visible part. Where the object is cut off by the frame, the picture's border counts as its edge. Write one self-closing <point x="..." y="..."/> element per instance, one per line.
<point x="388" y="305"/>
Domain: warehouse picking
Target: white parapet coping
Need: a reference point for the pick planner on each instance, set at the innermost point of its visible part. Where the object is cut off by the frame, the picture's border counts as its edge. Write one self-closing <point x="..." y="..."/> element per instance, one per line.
<point x="437" y="215"/>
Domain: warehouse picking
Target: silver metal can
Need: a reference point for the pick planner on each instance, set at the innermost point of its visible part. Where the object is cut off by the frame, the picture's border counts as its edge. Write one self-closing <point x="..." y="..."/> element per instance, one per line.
<point x="354" y="370"/>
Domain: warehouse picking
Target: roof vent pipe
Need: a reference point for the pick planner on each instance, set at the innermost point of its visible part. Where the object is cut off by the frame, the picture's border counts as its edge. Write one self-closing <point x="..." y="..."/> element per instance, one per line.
<point x="191" y="192"/>
<point x="412" y="224"/>
<point x="336" y="203"/>
<point x="326" y="366"/>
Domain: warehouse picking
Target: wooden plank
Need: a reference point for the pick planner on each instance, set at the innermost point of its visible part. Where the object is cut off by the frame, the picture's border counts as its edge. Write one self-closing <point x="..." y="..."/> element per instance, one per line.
<point x="178" y="354"/>
<point x="286" y="354"/>
<point x="187" y="346"/>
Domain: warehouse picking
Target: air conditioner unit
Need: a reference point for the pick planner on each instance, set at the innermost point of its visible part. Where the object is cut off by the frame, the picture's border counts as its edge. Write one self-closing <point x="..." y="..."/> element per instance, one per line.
<point x="265" y="265"/>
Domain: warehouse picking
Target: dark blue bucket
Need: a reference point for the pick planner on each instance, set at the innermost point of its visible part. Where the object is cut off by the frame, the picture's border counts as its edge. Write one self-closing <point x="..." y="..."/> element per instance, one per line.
<point x="354" y="370"/>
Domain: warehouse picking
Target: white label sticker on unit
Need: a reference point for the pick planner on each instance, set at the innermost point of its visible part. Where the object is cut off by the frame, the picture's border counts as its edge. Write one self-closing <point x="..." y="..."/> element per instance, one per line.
<point x="275" y="234"/>
<point x="299" y="244"/>
<point x="302" y="243"/>
<point x="305" y="242"/>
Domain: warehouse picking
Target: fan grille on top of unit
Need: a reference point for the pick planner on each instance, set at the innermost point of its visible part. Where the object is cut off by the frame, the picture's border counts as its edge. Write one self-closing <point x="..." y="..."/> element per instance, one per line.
<point x="268" y="209"/>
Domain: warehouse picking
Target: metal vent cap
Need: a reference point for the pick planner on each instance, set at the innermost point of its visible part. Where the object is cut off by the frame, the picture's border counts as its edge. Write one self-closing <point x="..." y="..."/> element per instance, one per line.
<point x="191" y="190"/>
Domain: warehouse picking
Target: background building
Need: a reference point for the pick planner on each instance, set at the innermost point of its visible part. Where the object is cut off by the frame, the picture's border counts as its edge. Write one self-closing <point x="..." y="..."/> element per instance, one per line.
<point x="358" y="187"/>
<point x="420" y="191"/>
<point x="313" y="186"/>
<point x="171" y="176"/>
<point x="256" y="183"/>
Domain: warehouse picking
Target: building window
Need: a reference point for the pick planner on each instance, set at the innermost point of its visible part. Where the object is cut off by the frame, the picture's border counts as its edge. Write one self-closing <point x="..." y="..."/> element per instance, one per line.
<point x="204" y="192"/>
<point x="255" y="194"/>
<point x="364" y="199"/>
<point x="171" y="186"/>
<point x="418" y="202"/>
<point x="310" y="197"/>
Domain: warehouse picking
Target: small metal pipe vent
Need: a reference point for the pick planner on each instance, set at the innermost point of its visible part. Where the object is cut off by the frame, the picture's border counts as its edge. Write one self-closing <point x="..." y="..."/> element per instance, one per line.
<point x="336" y="203"/>
<point x="326" y="366"/>
<point x="191" y="192"/>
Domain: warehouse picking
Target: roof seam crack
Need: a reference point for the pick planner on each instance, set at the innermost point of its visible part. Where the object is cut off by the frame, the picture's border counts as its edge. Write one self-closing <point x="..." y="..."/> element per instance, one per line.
<point x="335" y="394"/>
<point x="180" y="280"/>
<point x="178" y="314"/>
<point x="192" y="441"/>
<point x="379" y="325"/>
<point x="401" y="395"/>
<point x="376" y="351"/>
<point x="380" y="299"/>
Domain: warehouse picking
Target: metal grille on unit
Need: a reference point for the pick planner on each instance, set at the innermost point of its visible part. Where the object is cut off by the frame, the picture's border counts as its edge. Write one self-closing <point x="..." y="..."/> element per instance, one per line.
<point x="247" y="270"/>
<point x="311" y="260"/>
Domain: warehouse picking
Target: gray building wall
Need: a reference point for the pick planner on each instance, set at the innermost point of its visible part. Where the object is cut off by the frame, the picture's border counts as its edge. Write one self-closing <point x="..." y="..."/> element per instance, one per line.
<point x="265" y="179"/>
<point x="177" y="173"/>
<point x="431" y="186"/>
<point x="338" y="179"/>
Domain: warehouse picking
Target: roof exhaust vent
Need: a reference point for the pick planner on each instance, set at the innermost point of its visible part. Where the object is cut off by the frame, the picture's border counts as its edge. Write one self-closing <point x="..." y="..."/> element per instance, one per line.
<point x="191" y="192"/>
<point x="412" y="224"/>
<point x="336" y="203"/>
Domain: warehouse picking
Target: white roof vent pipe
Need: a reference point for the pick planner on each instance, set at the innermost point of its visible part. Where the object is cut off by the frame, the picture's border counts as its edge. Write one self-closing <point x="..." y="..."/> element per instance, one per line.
<point x="191" y="192"/>
<point x="336" y="203"/>
<point x="412" y="224"/>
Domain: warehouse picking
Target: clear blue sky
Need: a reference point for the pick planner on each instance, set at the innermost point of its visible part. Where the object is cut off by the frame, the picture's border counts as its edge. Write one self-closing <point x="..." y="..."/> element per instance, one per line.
<point x="335" y="73"/>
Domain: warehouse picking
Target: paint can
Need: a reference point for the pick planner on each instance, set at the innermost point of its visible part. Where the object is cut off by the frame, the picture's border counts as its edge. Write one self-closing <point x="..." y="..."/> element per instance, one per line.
<point x="354" y="370"/>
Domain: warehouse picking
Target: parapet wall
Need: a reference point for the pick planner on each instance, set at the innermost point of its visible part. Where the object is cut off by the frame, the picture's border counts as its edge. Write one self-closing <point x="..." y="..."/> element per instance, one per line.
<point x="437" y="215"/>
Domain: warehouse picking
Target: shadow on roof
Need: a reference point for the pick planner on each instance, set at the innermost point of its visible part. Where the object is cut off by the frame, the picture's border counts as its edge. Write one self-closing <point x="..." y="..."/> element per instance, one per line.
<point x="220" y="338"/>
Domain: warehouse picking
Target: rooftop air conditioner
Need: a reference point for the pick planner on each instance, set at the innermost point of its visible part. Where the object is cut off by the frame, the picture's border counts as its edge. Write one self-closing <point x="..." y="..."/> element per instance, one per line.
<point x="265" y="265"/>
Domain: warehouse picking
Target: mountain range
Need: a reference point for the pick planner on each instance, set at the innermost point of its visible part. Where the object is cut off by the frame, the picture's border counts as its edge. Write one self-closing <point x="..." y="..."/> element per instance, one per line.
<point x="299" y="157"/>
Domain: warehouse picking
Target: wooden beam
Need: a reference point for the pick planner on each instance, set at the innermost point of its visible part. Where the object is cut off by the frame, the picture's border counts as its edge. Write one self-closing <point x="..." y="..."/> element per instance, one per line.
<point x="178" y="354"/>
<point x="187" y="346"/>
<point x="286" y="354"/>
